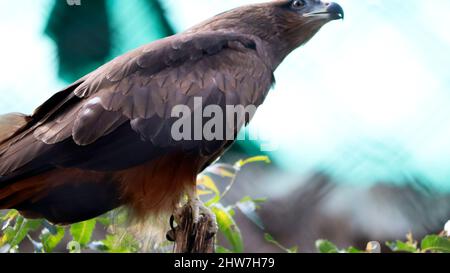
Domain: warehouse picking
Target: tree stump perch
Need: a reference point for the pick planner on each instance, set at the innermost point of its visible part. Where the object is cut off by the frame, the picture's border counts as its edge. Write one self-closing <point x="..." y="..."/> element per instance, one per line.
<point x="190" y="237"/>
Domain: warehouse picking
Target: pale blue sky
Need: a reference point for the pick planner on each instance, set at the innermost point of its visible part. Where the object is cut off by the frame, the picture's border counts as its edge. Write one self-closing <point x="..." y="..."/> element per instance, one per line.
<point x="369" y="96"/>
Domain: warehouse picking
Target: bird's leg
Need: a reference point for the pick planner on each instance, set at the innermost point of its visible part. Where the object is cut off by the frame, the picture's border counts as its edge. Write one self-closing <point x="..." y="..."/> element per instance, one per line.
<point x="195" y="203"/>
<point x="199" y="210"/>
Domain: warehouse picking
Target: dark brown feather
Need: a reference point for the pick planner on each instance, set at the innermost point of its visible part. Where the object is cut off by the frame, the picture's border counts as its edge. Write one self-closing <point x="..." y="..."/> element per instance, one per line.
<point x="10" y="124"/>
<point x="123" y="89"/>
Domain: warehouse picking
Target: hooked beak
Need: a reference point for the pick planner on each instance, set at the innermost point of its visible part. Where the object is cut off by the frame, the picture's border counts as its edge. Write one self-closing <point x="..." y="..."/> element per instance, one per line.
<point x="330" y="11"/>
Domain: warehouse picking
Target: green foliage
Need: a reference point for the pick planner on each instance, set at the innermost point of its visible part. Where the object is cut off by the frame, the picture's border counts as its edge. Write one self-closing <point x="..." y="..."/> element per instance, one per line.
<point x="434" y="243"/>
<point x="82" y="232"/>
<point x="271" y="240"/>
<point x="14" y="234"/>
<point x="327" y="247"/>
<point x="224" y="215"/>
<point x="228" y="227"/>
<point x="77" y="237"/>
<point x="409" y="246"/>
<point x="324" y="246"/>
<point x="51" y="240"/>
<point x="429" y="244"/>
<point x="115" y="243"/>
<point x="81" y="237"/>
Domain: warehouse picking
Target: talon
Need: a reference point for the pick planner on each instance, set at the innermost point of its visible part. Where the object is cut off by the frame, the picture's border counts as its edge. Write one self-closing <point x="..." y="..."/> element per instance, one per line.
<point x="170" y="236"/>
<point x="195" y="205"/>
<point x="210" y="236"/>
<point x="213" y="227"/>
<point x="172" y="222"/>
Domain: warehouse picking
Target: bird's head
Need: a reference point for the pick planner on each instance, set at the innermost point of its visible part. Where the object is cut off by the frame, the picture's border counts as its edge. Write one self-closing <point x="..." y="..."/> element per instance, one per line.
<point x="311" y="11"/>
<point x="283" y="24"/>
<point x="297" y="21"/>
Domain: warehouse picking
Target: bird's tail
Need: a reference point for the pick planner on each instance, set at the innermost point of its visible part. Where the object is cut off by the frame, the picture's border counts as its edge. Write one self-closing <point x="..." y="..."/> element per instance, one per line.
<point x="62" y="196"/>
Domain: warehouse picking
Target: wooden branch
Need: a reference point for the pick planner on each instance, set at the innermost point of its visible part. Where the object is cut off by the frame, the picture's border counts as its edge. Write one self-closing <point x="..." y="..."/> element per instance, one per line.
<point x="190" y="237"/>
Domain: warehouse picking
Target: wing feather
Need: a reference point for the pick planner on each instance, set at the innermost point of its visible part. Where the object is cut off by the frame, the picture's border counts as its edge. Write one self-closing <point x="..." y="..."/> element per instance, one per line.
<point x="140" y="88"/>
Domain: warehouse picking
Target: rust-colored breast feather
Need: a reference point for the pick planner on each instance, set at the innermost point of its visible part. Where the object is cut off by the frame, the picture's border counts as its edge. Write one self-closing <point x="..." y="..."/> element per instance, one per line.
<point x="157" y="187"/>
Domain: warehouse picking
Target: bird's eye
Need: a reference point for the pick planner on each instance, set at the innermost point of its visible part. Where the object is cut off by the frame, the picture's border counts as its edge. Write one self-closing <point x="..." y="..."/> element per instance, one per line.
<point x="297" y="4"/>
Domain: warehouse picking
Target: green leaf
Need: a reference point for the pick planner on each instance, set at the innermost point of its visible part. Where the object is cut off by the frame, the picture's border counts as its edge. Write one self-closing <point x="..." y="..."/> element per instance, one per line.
<point x="13" y="236"/>
<point x="434" y="243"/>
<point x="269" y="238"/>
<point x="222" y="250"/>
<point x="82" y="232"/>
<point x="242" y="163"/>
<point x="10" y="215"/>
<point x="202" y="192"/>
<point x="209" y="184"/>
<point x="400" y="246"/>
<point x="260" y="200"/>
<point x="222" y="170"/>
<point x="256" y="201"/>
<point x="125" y="243"/>
<point x="104" y="220"/>
<point x="8" y="235"/>
<point x="293" y="249"/>
<point x="50" y="241"/>
<point x="231" y="211"/>
<point x="228" y="227"/>
<point x="324" y="246"/>
<point x="354" y="250"/>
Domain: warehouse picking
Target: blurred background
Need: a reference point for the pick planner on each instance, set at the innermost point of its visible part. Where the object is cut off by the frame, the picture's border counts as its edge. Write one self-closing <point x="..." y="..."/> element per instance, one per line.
<point x="359" y="118"/>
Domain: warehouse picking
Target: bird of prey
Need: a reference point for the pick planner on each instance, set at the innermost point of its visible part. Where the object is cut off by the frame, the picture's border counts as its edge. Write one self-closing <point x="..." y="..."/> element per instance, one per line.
<point x="106" y="140"/>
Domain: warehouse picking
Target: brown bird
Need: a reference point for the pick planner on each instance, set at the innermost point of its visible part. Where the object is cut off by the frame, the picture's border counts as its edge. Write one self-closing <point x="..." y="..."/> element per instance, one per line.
<point x="106" y="140"/>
